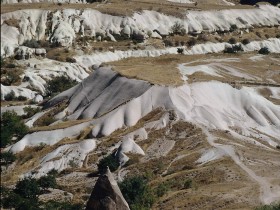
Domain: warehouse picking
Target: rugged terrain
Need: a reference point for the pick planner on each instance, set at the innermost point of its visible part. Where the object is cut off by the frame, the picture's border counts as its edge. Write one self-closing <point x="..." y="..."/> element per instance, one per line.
<point x="183" y="93"/>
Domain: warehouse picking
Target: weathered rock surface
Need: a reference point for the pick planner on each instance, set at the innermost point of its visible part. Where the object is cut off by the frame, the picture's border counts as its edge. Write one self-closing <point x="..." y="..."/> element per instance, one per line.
<point x="106" y="195"/>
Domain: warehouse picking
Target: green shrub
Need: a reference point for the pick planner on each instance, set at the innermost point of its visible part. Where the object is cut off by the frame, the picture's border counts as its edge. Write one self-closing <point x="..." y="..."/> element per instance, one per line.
<point x="180" y="50"/>
<point x="161" y="189"/>
<point x="28" y="188"/>
<point x="233" y="49"/>
<point x="188" y="184"/>
<point x="11" y="125"/>
<point x="110" y="161"/>
<point x="11" y="96"/>
<point x="59" y="84"/>
<point x="7" y="158"/>
<point x="137" y="193"/>
<point x="48" y="181"/>
<point x="30" y="111"/>
<point x="264" y="51"/>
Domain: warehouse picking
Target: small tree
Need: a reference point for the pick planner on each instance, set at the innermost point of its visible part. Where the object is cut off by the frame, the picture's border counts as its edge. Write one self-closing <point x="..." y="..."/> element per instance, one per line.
<point x="30" y="111"/>
<point x="59" y="84"/>
<point x="28" y="188"/>
<point x="48" y="181"/>
<point x="180" y="50"/>
<point x="7" y="158"/>
<point x="178" y="29"/>
<point x="11" y="125"/>
<point x="137" y="192"/>
<point x="11" y="96"/>
<point x="109" y="161"/>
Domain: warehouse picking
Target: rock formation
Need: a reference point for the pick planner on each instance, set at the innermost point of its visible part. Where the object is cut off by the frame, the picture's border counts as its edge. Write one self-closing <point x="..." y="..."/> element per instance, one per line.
<point x="106" y="195"/>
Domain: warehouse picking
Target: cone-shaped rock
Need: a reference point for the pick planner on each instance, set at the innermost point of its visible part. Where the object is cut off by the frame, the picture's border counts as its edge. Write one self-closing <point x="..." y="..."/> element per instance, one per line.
<point x="106" y="195"/>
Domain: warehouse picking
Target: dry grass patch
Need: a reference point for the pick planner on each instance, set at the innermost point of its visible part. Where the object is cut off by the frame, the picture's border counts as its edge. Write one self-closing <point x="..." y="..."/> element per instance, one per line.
<point x="60" y="54"/>
<point x="161" y="70"/>
<point x="60" y="125"/>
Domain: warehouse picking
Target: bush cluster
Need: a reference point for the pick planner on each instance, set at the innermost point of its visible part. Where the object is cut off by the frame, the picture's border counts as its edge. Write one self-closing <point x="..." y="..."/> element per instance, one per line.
<point x="137" y="193"/>
<point x="30" y="111"/>
<point x="26" y="193"/>
<point x="31" y="43"/>
<point x="11" y="126"/>
<point x="109" y="161"/>
<point x="7" y="158"/>
<point x="11" y="96"/>
<point x="264" y="51"/>
<point x="59" y="84"/>
<point x="233" y="49"/>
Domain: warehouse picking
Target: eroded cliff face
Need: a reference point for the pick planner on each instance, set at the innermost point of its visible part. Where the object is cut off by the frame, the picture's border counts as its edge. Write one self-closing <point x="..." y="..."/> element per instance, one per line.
<point x="106" y="195"/>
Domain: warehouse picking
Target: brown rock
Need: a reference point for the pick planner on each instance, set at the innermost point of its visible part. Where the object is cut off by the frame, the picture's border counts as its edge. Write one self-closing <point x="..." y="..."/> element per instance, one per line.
<point x="106" y="195"/>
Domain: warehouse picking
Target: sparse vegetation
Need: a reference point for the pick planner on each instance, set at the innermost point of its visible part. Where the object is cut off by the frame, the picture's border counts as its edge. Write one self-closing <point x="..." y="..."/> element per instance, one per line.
<point x="178" y="29"/>
<point x="11" y="126"/>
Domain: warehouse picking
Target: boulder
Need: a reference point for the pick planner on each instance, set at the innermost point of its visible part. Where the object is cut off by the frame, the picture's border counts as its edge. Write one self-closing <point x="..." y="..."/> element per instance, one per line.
<point x="106" y="195"/>
<point x="40" y="51"/>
